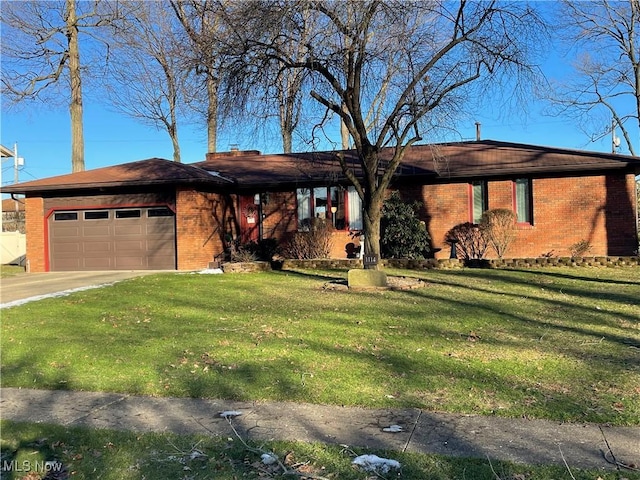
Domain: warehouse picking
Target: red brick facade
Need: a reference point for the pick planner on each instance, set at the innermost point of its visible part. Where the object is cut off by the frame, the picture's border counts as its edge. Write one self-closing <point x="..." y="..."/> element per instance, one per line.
<point x="201" y="224"/>
<point x="36" y="234"/>
<point x="599" y="209"/>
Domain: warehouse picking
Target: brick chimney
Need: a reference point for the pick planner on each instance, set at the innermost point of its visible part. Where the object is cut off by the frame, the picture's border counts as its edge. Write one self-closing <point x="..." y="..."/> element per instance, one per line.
<point x="233" y="152"/>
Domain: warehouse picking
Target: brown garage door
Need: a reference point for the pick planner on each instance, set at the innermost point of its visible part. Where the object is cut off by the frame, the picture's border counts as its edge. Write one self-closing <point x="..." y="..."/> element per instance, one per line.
<point x="112" y="239"/>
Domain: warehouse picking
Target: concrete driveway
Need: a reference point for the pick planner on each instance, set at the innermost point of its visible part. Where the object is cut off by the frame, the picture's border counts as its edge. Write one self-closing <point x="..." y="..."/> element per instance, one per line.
<point x="26" y="287"/>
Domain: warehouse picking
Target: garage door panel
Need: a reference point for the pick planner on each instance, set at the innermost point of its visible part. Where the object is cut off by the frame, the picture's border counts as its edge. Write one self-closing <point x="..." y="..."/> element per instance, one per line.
<point x="98" y="263"/>
<point x="112" y="241"/>
<point x="97" y="248"/>
<point x="130" y="247"/>
<point x="134" y="263"/>
<point x="67" y="247"/>
<point x="61" y="232"/>
<point x="162" y="262"/>
<point x="97" y="231"/>
<point x="68" y="264"/>
<point x="124" y="230"/>
<point x="160" y="230"/>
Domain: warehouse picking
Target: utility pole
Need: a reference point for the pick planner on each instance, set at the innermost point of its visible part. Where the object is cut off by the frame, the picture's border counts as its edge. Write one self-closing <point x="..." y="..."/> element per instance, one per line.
<point x="615" y="140"/>
<point x="17" y="163"/>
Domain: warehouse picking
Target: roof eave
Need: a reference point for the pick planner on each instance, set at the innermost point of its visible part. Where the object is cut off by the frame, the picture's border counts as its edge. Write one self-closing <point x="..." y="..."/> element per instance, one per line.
<point x="104" y="185"/>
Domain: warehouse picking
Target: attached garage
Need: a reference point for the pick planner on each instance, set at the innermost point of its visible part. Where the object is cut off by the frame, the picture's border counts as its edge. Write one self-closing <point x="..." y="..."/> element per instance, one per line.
<point x="141" y="238"/>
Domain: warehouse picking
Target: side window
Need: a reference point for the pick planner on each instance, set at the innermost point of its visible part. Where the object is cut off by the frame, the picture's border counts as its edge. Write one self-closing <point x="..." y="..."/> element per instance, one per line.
<point x="303" y="198"/>
<point x="338" y="215"/>
<point x="320" y="202"/>
<point x="96" y="215"/>
<point x="127" y="213"/>
<point x="523" y="200"/>
<point x="479" y="200"/>
<point x="159" y="212"/>
<point x="355" y="209"/>
<point x="65" y="216"/>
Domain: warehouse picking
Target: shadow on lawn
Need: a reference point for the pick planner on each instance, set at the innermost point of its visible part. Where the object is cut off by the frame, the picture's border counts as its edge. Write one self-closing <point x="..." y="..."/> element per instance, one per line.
<point x="329" y="275"/>
<point x="560" y="283"/>
<point x="532" y="323"/>
<point x="284" y="378"/>
<point x="570" y="300"/>
<point x="552" y="274"/>
<point x="563" y="319"/>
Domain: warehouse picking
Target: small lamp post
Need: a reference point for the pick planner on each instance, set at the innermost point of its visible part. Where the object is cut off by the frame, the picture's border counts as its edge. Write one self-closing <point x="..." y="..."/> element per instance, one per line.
<point x="333" y="215"/>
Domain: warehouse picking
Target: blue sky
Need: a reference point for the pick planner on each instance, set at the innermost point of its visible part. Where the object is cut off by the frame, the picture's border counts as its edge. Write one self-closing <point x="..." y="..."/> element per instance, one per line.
<point x="43" y="134"/>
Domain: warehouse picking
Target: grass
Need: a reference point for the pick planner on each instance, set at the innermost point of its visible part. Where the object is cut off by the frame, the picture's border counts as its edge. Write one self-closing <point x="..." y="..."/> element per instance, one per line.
<point x="10" y="270"/>
<point x="106" y="454"/>
<point x="561" y="344"/>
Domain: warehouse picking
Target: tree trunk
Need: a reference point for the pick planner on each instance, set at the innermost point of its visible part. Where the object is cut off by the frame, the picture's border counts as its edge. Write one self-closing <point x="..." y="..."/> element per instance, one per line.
<point x="286" y="102"/>
<point x="173" y="133"/>
<point x="176" y="147"/>
<point x="75" y="106"/>
<point x="287" y="141"/>
<point x="212" y="113"/>
<point x="371" y="218"/>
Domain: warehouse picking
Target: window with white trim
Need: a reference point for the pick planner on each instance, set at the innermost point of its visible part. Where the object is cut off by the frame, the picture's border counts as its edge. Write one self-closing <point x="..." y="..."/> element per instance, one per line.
<point x="341" y="206"/>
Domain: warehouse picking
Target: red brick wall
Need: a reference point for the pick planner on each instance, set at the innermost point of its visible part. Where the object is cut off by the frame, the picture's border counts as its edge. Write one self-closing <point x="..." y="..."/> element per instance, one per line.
<point x="444" y="205"/>
<point x="565" y="211"/>
<point x="202" y="220"/>
<point x="279" y="215"/>
<point x="598" y="209"/>
<point x="36" y="235"/>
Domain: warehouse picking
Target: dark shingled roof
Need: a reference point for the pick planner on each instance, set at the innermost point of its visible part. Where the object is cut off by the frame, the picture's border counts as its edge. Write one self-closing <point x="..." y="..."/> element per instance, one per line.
<point x="443" y="161"/>
<point x="154" y="171"/>
<point x="250" y="169"/>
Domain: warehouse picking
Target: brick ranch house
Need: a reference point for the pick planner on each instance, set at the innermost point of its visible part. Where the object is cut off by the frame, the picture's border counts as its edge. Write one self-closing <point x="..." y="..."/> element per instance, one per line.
<point x="158" y="214"/>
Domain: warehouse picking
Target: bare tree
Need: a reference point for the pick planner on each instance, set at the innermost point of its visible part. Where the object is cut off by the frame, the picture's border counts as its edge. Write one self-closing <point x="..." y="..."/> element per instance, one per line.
<point x="41" y="56"/>
<point x="603" y="91"/>
<point x="147" y="75"/>
<point x="417" y="59"/>
<point x="205" y="25"/>
<point x="260" y="90"/>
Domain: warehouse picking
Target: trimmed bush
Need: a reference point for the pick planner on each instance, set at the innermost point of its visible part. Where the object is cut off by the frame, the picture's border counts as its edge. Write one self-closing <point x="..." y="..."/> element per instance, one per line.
<point x="499" y="229"/>
<point x="470" y="243"/>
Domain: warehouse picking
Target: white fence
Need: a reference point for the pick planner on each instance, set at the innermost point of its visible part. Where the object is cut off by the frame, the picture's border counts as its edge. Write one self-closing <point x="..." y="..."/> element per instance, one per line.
<point x="13" y="248"/>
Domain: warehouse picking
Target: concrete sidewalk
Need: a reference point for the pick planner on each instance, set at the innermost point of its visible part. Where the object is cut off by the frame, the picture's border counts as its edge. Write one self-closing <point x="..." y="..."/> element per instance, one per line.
<point x="517" y="440"/>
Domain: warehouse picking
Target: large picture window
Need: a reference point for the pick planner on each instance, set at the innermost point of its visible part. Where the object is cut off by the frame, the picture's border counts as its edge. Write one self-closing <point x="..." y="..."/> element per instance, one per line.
<point x="523" y="200"/>
<point x="342" y="207"/>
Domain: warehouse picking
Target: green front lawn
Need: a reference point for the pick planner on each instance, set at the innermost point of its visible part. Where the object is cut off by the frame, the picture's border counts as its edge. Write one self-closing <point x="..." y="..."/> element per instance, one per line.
<point x="10" y="270"/>
<point x="560" y="344"/>
<point x="110" y="455"/>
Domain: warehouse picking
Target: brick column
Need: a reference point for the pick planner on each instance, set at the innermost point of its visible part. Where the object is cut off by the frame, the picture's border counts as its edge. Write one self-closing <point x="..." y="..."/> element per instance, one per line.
<point x="36" y="234"/>
<point x="198" y="228"/>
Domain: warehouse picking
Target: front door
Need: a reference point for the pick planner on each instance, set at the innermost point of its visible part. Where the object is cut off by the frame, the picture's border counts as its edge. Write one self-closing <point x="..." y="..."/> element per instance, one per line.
<point x="249" y="218"/>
